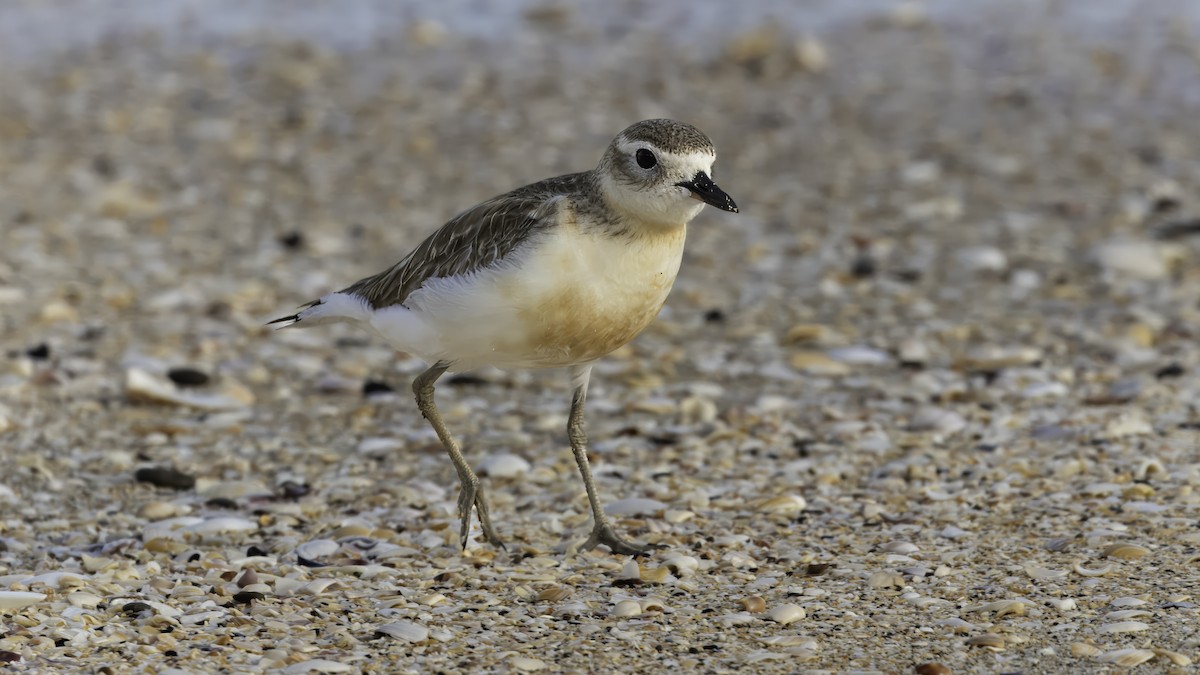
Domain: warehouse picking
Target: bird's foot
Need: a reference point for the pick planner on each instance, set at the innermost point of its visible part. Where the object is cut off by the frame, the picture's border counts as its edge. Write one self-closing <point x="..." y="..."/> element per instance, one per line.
<point x="471" y="496"/>
<point x="603" y="533"/>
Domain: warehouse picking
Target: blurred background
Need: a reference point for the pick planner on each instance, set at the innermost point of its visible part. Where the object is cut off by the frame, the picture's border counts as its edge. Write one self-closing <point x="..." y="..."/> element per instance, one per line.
<point x="965" y="267"/>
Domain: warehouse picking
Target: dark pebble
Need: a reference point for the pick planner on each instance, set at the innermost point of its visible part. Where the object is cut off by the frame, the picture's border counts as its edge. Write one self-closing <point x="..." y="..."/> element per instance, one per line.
<point x="247" y="597"/>
<point x="376" y="387"/>
<point x="136" y="608"/>
<point x="163" y="476"/>
<point x="863" y="267"/>
<point x="39" y="352"/>
<point x="188" y="377"/>
<point x="255" y="551"/>
<point x="224" y="503"/>
<point x="715" y="315"/>
<point x="292" y="240"/>
<point x="290" y="489"/>
<point x="1173" y="370"/>
<point x="9" y="657"/>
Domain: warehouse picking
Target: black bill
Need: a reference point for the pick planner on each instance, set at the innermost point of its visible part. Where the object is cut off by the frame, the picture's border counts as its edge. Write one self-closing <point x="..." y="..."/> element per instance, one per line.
<point x="707" y="191"/>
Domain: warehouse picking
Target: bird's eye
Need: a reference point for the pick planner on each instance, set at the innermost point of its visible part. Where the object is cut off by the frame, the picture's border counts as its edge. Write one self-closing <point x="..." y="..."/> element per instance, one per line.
<point x="646" y="159"/>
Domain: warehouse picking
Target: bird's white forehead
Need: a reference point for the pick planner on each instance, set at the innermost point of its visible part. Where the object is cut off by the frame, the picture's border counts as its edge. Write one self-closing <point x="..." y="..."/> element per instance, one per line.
<point x="687" y="163"/>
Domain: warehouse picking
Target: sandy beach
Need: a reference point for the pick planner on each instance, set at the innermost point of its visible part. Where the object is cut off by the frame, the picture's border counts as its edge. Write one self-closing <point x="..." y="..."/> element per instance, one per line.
<point x="928" y="404"/>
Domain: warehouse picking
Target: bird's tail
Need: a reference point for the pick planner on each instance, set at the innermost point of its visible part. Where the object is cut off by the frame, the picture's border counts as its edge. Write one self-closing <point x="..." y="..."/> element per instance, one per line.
<point x="331" y="308"/>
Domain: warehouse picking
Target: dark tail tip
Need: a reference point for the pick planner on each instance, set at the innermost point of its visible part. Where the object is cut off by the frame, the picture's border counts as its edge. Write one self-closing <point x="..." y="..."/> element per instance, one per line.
<point x="293" y="318"/>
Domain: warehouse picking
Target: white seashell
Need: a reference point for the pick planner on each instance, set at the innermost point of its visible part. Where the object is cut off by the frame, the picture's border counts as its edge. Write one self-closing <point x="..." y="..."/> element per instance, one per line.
<point x="789" y="505"/>
<point x="900" y="547"/>
<point x="1083" y="649"/>
<point x="432" y="600"/>
<point x="786" y="614"/>
<point x="1062" y="604"/>
<point x="171" y="528"/>
<point x="17" y="599"/>
<point x="885" y="580"/>
<point x="1125" y="614"/>
<point x="957" y="625"/>
<point x="937" y="420"/>
<point x="201" y="617"/>
<point x="504" y="465"/>
<point x="1124" y="627"/>
<point x="54" y="580"/>
<point x="376" y="446"/>
<point x="1126" y="551"/>
<point x="318" y="586"/>
<point x="317" y="666"/>
<point x="404" y="630"/>
<point x="652" y="604"/>
<point x="791" y="641"/>
<point x="1002" y="608"/>
<point x="526" y="664"/>
<point x="682" y="565"/>
<point x="635" y="507"/>
<point x="736" y="619"/>
<point x="1085" y="572"/>
<point x="1174" y="657"/>
<point x="287" y="586"/>
<point x="1127" y="601"/>
<point x="626" y="608"/>
<point x="84" y="599"/>
<point x="258" y="588"/>
<point x="1043" y="574"/>
<point x="222" y="524"/>
<point x="631" y="570"/>
<point x="317" y="549"/>
<point x="1127" y="657"/>
<point x="677" y="516"/>
<point x="142" y="386"/>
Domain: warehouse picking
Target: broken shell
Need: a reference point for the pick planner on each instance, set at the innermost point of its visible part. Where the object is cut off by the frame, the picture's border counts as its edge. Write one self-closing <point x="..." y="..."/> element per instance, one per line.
<point x="16" y="599"/>
<point x="1083" y="649"/>
<point x="1002" y="608"/>
<point x="788" y="505"/>
<point x="404" y="630"/>
<point x="553" y="594"/>
<point x="631" y="571"/>
<point x="885" y="580"/>
<point x="1126" y="551"/>
<point x="527" y="664"/>
<point x="1124" y="627"/>
<point x="652" y="604"/>
<point x="1125" y="614"/>
<point x="1127" y="601"/>
<point x="626" y="608"/>
<point x="753" y="604"/>
<point x="432" y="600"/>
<point x="682" y="566"/>
<point x="1044" y="574"/>
<point x="1174" y="657"/>
<point x="785" y="614"/>
<point x="932" y="668"/>
<point x="1127" y="657"/>
<point x="1062" y="604"/>
<point x="1085" y="572"/>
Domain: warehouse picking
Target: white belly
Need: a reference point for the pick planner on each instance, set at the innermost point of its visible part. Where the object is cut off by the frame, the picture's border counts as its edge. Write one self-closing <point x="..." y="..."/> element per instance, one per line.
<point x="570" y="299"/>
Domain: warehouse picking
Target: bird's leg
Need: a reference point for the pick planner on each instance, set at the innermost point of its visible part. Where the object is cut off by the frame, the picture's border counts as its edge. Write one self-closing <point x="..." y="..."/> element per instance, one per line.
<point x="470" y="495"/>
<point x="602" y="531"/>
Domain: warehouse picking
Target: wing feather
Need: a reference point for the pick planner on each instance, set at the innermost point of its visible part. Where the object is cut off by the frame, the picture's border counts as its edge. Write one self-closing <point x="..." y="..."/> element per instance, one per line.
<point x="473" y="240"/>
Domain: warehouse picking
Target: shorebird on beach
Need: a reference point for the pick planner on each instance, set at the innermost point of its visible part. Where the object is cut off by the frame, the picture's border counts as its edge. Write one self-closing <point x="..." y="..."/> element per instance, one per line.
<point x="554" y="274"/>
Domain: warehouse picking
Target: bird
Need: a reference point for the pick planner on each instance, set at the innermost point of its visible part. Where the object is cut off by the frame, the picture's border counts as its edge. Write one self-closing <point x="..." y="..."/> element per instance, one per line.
<point x="555" y="274"/>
